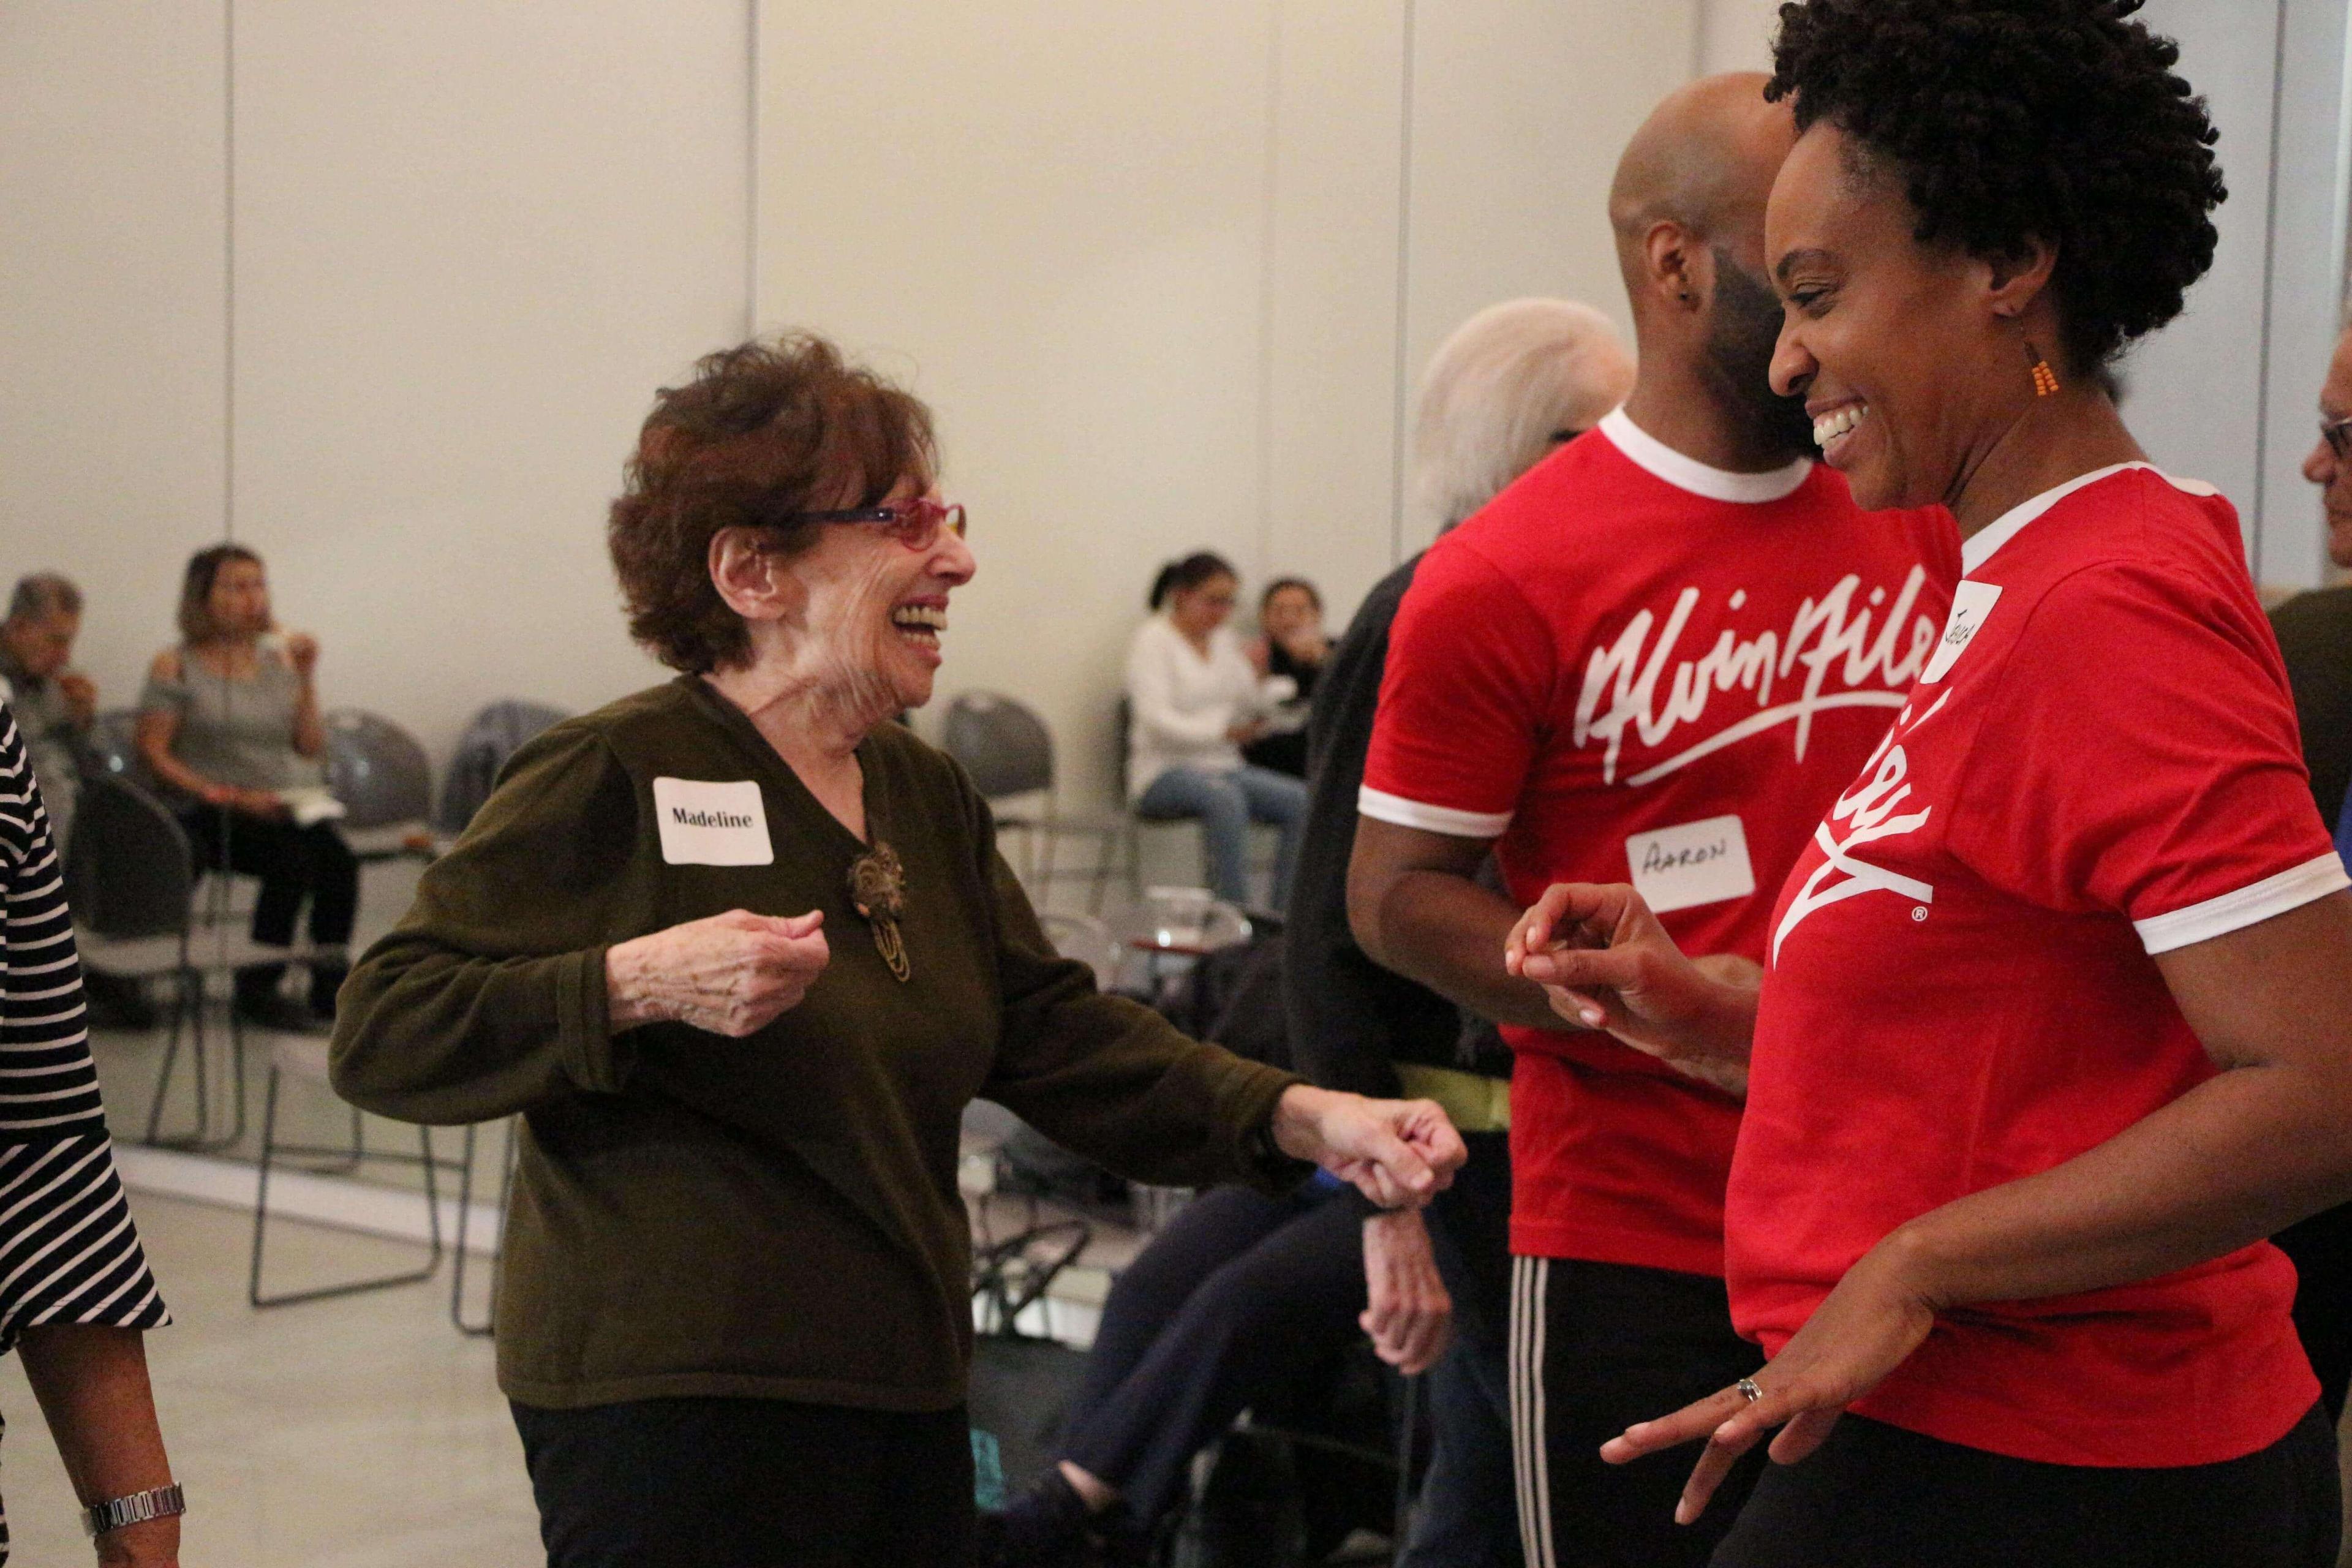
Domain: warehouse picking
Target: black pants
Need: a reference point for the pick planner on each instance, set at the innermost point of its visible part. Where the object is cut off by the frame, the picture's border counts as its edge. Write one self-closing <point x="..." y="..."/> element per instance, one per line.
<point x="294" y="864"/>
<point x="1468" y="1512"/>
<point x="1875" y="1495"/>
<point x="2321" y="1247"/>
<point x="749" y="1483"/>
<point x="1596" y="1347"/>
<point x="1220" y="1309"/>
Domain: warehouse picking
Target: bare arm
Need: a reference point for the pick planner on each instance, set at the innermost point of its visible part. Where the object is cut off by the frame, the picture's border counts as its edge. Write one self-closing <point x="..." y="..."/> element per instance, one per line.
<point x="309" y="732"/>
<point x="2264" y="1142"/>
<point x="92" y="1385"/>
<point x="1415" y="908"/>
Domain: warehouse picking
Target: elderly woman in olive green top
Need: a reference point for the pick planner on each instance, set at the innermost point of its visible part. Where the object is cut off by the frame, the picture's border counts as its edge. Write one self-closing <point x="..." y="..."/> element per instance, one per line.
<point x="741" y="950"/>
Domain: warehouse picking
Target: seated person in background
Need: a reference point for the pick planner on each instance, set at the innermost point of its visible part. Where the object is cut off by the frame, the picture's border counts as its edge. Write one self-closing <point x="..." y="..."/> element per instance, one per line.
<point x="1193" y="701"/>
<point x="54" y="705"/>
<point x="55" y="708"/>
<point x="230" y="720"/>
<point x="1226" y="1304"/>
<point x="2314" y="634"/>
<point x="1292" y="647"/>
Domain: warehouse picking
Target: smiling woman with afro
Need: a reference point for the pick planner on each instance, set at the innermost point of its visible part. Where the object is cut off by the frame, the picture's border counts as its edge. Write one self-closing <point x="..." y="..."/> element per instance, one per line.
<point x="2057" y="1026"/>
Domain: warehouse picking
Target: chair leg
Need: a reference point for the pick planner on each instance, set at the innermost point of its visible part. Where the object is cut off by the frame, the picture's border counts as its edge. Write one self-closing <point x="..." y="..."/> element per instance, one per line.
<point x="1401" y="1524"/>
<point x="465" y="1219"/>
<point x="261" y="1188"/>
<point x="348" y="1288"/>
<point x="179" y="1007"/>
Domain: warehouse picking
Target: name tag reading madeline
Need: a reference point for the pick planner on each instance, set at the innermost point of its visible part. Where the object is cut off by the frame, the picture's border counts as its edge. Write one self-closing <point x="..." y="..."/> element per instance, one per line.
<point x="1696" y="863"/>
<point x="705" y="824"/>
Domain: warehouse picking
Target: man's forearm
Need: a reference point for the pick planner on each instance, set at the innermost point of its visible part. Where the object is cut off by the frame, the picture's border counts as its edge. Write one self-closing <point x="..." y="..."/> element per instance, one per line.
<point x="1448" y="932"/>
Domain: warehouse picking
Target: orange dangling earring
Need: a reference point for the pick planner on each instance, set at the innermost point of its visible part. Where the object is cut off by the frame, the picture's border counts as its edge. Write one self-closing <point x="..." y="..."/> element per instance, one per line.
<point x="2046" y="380"/>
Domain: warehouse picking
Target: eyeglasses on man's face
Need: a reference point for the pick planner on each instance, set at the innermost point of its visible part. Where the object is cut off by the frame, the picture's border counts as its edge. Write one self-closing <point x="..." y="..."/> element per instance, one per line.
<point x="2337" y="434"/>
<point x="913" y="523"/>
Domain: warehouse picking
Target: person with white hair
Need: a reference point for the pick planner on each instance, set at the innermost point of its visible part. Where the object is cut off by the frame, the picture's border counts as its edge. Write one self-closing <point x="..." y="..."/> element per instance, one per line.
<point x="1658" y="656"/>
<point x="1509" y="385"/>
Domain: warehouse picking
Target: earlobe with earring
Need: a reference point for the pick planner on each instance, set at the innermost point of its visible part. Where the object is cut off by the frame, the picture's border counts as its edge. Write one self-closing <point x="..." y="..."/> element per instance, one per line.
<point x="2046" y="380"/>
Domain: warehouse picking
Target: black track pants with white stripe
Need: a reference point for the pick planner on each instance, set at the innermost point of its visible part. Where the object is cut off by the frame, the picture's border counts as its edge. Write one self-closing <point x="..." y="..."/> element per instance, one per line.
<point x="1596" y="1347"/>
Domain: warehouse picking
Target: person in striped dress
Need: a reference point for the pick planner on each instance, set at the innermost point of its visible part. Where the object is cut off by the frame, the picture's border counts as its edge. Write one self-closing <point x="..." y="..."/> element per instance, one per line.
<point x="76" y="1294"/>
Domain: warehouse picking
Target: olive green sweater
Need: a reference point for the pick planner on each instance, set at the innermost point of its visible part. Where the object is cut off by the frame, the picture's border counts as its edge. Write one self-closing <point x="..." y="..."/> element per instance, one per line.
<point x="774" y="1217"/>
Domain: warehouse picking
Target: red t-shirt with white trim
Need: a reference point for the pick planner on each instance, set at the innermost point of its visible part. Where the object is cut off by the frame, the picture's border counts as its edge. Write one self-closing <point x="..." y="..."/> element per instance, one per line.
<point x="1632" y="666"/>
<point x="2100" y="765"/>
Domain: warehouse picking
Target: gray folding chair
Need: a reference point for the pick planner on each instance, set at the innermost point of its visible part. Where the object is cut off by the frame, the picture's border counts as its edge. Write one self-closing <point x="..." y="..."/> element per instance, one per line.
<point x="131" y="881"/>
<point x="380" y="773"/>
<point x="110" y="747"/>
<point x="491" y="736"/>
<point x="1009" y="753"/>
<point x="301" y="1056"/>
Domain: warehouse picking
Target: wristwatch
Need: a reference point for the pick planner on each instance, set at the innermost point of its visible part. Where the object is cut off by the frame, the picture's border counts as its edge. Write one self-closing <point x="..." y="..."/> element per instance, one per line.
<point x="158" y="1502"/>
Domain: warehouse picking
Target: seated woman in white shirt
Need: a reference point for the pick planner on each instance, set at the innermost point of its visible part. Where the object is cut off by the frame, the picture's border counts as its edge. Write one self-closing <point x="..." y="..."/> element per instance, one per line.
<point x="1194" y="701"/>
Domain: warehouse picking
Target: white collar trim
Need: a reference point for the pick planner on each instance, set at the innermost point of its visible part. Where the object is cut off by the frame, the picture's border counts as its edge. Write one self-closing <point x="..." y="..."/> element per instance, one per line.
<point x="1977" y="548"/>
<point x="1648" y="452"/>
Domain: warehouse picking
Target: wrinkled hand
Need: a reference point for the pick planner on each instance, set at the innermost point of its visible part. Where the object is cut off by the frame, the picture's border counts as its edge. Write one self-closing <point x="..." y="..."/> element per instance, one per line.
<point x="1398" y="1153"/>
<point x="1861" y="1332"/>
<point x="731" y="974"/>
<point x="1606" y="964"/>
<point x="81" y="697"/>
<point x="1409" y="1316"/>
<point x="302" y="653"/>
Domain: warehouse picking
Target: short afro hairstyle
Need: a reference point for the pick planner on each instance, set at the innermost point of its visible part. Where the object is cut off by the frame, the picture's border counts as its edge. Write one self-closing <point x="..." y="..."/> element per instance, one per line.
<point x="764" y="431"/>
<point x="2014" y="120"/>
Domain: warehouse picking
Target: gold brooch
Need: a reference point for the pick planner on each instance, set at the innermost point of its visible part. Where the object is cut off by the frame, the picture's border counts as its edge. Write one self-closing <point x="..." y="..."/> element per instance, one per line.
<point x="878" y="887"/>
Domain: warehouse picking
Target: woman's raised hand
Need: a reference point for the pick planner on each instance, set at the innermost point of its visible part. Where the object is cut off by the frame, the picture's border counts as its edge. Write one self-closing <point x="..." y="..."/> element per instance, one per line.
<point x="1607" y="964"/>
<point x="731" y="974"/>
<point x="302" y="654"/>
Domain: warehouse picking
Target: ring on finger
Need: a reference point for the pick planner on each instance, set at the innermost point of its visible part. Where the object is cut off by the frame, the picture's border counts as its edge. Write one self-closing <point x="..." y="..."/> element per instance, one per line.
<point x="1747" y="1390"/>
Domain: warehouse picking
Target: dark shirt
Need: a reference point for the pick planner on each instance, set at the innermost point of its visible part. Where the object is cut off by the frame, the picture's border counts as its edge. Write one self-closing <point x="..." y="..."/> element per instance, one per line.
<point x="1351" y="1020"/>
<point x="1286" y="753"/>
<point x="774" y="1217"/>
<point x="2315" y="633"/>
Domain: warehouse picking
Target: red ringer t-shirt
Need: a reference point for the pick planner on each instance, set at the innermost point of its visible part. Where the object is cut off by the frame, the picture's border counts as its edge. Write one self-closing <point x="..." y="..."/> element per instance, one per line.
<point x="2100" y="765"/>
<point x="1633" y="667"/>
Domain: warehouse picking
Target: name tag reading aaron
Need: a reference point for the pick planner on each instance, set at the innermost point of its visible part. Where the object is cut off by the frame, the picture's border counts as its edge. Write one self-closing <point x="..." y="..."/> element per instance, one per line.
<point x="1702" y="862"/>
<point x="705" y="823"/>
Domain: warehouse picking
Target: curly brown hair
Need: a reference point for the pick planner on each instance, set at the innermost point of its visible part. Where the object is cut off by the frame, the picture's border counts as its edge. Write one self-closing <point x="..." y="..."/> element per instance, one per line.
<point x="2016" y="120"/>
<point x="764" y="430"/>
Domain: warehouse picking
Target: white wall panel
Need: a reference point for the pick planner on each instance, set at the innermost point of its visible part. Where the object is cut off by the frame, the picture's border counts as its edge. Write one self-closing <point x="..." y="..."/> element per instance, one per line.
<point x="2195" y="388"/>
<point x="1332" y="361"/>
<point x="110" y="310"/>
<point x="472" y="239"/>
<point x="1051" y="219"/>
<point x="1520" y="110"/>
<point x="2307" y="283"/>
<point x="1736" y="35"/>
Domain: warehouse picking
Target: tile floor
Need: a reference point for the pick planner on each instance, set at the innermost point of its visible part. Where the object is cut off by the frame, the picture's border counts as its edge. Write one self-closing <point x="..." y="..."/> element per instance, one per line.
<point x="358" y="1433"/>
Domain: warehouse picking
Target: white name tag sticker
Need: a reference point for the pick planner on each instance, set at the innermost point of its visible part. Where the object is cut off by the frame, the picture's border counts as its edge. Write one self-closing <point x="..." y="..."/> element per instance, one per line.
<point x="1972" y="606"/>
<point x="1697" y="863"/>
<point x="705" y="824"/>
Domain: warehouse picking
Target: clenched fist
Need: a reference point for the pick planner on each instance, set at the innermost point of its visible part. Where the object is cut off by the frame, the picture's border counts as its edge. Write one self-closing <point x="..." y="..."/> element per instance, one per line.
<point x="732" y="974"/>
